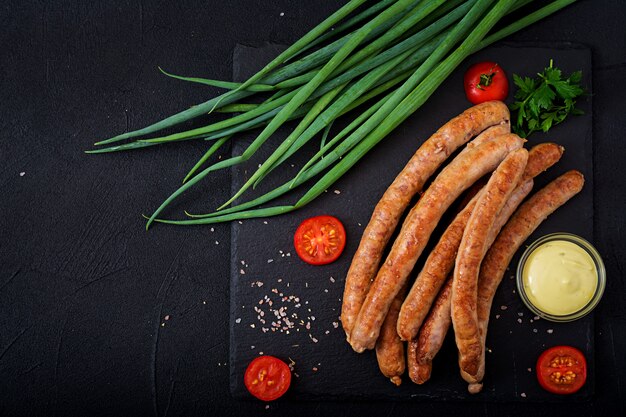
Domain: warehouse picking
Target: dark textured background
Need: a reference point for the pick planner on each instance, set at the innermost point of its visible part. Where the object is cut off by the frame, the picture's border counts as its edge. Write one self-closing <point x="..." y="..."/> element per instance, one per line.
<point x="84" y="290"/>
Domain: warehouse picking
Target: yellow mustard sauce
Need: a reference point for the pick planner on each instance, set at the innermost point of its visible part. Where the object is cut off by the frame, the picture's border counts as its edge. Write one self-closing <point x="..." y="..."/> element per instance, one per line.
<point x="560" y="277"/>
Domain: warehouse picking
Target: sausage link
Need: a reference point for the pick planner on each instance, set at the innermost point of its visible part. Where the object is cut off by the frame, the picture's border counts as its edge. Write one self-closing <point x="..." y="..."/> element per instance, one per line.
<point x="471" y="252"/>
<point x="432" y="332"/>
<point x="524" y="222"/>
<point x="389" y="347"/>
<point x="426" y="345"/>
<point x="462" y="172"/>
<point x="430" y="279"/>
<point x="426" y="160"/>
<point x="541" y="157"/>
<point x="441" y="260"/>
<point x="487" y="135"/>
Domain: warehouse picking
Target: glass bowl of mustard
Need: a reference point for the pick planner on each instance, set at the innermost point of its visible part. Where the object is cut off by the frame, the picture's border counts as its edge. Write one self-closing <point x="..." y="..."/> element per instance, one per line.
<point x="561" y="277"/>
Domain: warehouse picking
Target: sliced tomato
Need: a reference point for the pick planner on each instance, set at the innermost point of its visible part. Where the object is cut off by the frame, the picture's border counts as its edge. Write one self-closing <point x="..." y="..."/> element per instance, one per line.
<point x="562" y="370"/>
<point x="485" y="81"/>
<point x="267" y="378"/>
<point x="320" y="240"/>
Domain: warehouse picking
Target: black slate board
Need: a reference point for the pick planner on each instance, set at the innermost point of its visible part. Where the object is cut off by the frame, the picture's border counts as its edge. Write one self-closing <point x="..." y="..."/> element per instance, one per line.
<point x="325" y="366"/>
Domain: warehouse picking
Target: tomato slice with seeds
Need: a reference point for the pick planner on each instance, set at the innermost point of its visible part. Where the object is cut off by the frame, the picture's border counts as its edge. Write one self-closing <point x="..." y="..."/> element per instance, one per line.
<point x="320" y="240"/>
<point x="267" y="378"/>
<point x="562" y="370"/>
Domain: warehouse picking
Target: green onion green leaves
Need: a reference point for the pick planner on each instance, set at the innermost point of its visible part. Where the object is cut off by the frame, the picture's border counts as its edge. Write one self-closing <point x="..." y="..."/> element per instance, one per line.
<point x="379" y="65"/>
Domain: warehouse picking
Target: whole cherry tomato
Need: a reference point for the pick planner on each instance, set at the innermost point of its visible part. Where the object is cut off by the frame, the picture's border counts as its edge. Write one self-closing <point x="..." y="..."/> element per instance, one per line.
<point x="485" y="81"/>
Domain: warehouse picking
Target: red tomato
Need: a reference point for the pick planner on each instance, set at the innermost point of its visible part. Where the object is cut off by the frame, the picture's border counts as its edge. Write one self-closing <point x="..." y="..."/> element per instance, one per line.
<point x="562" y="370"/>
<point x="485" y="81"/>
<point x="320" y="240"/>
<point x="267" y="378"/>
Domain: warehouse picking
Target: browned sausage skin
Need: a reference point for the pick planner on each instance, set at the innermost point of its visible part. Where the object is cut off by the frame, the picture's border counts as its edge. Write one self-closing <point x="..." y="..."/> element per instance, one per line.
<point x="405" y="186"/>
<point x="422" y="350"/>
<point x="429" y="281"/>
<point x="525" y="220"/>
<point x="471" y="252"/>
<point x="389" y="347"/>
<point x="441" y="259"/>
<point x="462" y="172"/>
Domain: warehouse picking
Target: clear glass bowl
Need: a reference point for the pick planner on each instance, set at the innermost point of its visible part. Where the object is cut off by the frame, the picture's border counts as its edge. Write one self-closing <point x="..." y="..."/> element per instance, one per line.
<point x="587" y="247"/>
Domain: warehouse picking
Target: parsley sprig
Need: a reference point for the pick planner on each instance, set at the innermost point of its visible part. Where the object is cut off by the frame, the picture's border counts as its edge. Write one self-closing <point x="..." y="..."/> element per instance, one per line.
<point x="545" y="101"/>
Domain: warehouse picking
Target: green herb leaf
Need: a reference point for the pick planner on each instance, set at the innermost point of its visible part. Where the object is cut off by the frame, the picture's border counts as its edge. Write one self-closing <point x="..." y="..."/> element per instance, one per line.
<point x="544" y="101"/>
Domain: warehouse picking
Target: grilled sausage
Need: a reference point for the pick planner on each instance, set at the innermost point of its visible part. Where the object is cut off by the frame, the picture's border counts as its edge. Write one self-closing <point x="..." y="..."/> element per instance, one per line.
<point x="426" y="160"/>
<point x="471" y="252"/>
<point x="462" y="172"/>
<point x="426" y="345"/>
<point x="389" y="347"/>
<point x="441" y="260"/>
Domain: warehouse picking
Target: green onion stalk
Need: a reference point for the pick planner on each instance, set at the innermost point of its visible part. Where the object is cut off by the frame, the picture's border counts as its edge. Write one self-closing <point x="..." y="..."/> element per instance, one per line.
<point x="378" y="64"/>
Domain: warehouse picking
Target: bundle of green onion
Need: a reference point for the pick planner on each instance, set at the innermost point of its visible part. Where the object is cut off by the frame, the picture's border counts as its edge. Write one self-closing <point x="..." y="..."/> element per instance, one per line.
<point x="387" y="59"/>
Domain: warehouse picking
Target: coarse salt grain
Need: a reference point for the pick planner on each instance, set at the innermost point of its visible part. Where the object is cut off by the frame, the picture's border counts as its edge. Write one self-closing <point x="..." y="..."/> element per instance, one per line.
<point x="238" y="320"/>
<point x="503" y="307"/>
<point x="166" y="317"/>
<point x="337" y="192"/>
<point x="242" y="272"/>
<point x="550" y="331"/>
<point x="519" y="320"/>
<point x="22" y="174"/>
<point x="523" y="394"/>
